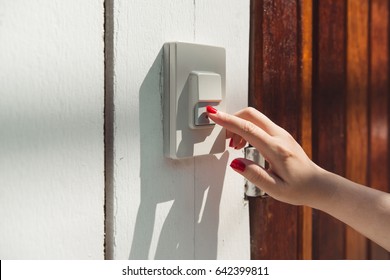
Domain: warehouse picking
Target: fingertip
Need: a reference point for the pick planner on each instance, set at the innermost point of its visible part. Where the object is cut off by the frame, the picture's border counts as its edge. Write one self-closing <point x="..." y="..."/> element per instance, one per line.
<point x="211" y="110"/>
<point x="238" y="165"/>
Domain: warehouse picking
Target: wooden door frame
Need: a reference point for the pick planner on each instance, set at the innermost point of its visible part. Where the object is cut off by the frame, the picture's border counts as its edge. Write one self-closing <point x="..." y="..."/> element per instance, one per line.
<point x="280" y="86"/>
<point x="320" y="69"/>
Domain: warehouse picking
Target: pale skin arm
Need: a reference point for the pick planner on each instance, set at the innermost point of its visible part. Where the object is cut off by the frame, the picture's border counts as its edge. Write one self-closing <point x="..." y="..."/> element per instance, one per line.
<point x="293" y="178"/>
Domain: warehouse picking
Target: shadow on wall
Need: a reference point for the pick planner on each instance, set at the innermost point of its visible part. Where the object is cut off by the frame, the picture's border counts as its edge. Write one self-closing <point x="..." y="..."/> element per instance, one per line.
<point x="178" y="216"/>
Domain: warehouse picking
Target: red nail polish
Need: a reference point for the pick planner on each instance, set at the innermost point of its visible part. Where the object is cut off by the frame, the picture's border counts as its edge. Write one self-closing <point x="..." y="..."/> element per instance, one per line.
<point x="211" y="110"/>
<point x="231" y="143"/>
<point x="238" y="165"/>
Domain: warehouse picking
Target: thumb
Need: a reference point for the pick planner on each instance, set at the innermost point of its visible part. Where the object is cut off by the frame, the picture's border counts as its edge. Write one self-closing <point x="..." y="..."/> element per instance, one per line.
<point x="256" y="174"/>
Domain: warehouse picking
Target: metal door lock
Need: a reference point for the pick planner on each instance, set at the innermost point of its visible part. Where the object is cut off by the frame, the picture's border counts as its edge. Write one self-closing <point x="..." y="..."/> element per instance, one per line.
<point x="251" y="189"/>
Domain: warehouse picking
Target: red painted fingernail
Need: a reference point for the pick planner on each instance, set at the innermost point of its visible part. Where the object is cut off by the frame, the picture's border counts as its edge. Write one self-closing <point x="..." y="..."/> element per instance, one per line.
<point x="211" y="110"/>
<point x="231" y="143"/>
<point x="238" y="165"/>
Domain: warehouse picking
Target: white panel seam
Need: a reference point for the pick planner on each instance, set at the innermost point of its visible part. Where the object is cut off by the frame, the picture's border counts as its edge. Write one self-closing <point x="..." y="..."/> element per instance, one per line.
<point x="194" y="21"/>
<point x="108" y="24"/>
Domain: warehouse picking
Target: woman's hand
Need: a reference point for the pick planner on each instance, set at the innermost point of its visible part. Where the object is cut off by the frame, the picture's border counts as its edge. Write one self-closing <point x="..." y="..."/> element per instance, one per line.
<point x="295" y="179"/>
<point x="291" y="176"/>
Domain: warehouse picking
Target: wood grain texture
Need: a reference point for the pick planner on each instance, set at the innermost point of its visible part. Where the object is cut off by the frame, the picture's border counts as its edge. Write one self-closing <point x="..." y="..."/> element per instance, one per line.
<point x="357" y="111"/>
<point x="256" y="54"/>
<point x="379" y="104"/>
<point x="343" y="111"/>
<point x="274" y="90"/>
<point x="305" y="47"/>
<point x="329" y="73"/>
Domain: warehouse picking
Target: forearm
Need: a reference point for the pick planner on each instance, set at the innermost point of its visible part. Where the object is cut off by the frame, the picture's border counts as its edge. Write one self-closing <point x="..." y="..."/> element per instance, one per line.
<point x="364" y="209"/>
<point x="295" y="179"/>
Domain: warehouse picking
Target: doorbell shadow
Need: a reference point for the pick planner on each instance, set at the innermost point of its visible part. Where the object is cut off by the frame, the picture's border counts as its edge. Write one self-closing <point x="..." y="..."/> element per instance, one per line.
<point x="178" y="215"/>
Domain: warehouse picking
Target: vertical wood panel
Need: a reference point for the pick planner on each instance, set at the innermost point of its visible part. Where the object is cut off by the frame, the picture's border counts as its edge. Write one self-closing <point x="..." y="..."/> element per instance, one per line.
<point x="274" y="90"/>
<point x="343" y="77"/>
<point x="306" y="55"/>
<point x="256" y="54"/>
<point x="357" y="111"/>
<point x="379" y="108"/>
<point x="254" y="100"/>
<point x="329" y="115"/>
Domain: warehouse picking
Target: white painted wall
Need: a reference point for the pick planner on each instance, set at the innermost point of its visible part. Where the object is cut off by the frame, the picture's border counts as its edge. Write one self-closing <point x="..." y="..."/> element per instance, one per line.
<point x="160" y="208"/>
<point x="51" y="133"/>
<point x="51" y="129"/>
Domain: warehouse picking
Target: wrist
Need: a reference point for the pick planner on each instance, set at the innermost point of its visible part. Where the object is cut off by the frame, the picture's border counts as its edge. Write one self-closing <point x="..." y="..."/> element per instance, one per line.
<point x="322" y="189"/>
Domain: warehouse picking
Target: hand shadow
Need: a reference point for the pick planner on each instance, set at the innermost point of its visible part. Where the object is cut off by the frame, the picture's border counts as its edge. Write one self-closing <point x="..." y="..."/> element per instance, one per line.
<point x="190" y="229"/>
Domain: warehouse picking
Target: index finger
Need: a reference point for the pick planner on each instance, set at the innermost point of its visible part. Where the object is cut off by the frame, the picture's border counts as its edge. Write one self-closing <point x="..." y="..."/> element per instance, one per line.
<point x="252" y="133"/>
<point x="257" y="118"/>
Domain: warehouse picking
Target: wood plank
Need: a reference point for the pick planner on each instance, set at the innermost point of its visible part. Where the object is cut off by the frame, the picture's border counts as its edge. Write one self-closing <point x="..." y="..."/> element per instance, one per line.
<point x="254" y="100"/>
<point x="256" y="54"/>
<point x="379" y="108"/>
<point x="306" y="55"/>
<point x="273" y="229"/>
<point x="274" y="90"/>
<point x="329" y="55"/>
<point x="357" y="111"/>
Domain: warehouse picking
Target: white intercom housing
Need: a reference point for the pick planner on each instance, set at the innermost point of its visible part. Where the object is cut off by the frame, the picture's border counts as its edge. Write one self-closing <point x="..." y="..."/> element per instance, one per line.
<point x="194" y="77"/>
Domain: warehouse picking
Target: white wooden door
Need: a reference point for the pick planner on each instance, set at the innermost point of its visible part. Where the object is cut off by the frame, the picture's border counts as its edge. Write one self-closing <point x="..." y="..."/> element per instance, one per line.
<point x="70" y="189"/>
<point x="160" y="208"/>
<point x="51" y="129"/>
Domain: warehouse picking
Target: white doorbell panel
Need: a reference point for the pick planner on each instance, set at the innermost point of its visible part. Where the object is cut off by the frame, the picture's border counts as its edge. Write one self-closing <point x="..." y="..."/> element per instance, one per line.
<point x="194" y="77"/>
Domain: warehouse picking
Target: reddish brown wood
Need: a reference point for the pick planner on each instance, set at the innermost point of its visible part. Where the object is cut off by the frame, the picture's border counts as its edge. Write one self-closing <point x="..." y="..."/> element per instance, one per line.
<point x="357" y="111"/>
<point x="256" y="54"/>
<point x="305" y="47"/>
<point x="329" y="75"/>
<point x="320" y="69"/>
<point x="274" y="90"/>
<point x="379" y="107"/>
<point x="273" y="229"/>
